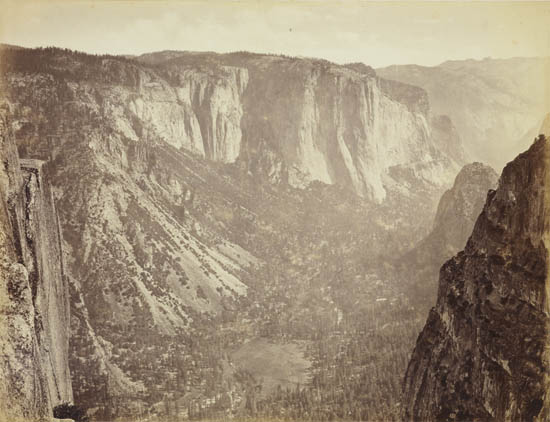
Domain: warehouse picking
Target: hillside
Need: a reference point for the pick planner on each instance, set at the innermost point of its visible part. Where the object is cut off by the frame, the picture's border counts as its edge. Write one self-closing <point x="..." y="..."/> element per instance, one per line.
<point x="457" y="212"/>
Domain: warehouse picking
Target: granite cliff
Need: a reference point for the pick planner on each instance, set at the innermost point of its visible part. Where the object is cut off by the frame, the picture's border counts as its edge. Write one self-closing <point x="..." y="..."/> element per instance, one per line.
<point x="483" y="353"/>
<point x="339" y="126"/>
<point x="34" y="297"/>
<point x="457" y="212"/>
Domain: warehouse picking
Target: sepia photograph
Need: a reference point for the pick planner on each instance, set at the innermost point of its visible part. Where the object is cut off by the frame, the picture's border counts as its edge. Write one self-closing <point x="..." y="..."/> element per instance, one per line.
<point x="274" y="211"/>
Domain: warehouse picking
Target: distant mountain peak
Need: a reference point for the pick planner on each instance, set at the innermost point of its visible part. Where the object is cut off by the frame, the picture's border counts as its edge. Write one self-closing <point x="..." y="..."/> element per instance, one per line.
<point x="493" y="103"/>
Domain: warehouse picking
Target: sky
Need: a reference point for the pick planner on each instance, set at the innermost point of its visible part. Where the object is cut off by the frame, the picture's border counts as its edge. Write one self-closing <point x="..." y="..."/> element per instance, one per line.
<point x="376" y="33"/>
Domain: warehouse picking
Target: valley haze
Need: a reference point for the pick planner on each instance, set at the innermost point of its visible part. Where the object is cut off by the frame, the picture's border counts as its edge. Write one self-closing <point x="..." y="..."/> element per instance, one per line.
<point x="203" y="232"/>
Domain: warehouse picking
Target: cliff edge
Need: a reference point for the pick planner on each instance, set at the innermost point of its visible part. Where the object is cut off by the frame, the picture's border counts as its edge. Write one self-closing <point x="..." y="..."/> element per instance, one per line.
<point x="457" y="212"/>
<point x="484" y="351"/>
<point x="34" y="304"/>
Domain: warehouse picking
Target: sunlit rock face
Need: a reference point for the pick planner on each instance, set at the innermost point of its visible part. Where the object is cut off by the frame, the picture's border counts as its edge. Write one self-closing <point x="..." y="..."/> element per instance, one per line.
<point x="292" y="120"/>
<point x="483" y="354"/>
<point x="340" y="126"/>
<point x="199" y="110"/>
<point x="309" y="120"/>
<point x="34" y="301"/>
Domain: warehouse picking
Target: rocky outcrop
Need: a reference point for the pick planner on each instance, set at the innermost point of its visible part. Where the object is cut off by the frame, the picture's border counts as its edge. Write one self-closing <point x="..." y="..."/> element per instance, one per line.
<point x="307" y="120"/>
<point x="34" y="307"/>
<point x="457" y="212"/>
<point x="483" y="354"/>
<point x="460" y="206"/>
<point x="200" y="110"/>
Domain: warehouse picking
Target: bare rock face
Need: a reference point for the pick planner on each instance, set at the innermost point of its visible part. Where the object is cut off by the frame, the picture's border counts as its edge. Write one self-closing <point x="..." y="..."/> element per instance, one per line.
<point x="340" y="125"/>
<point x="483" y="354"/>
<point x="199" y="110"/>
<point x="460" y="206"/>
<point x="293" y="120"/>
<point x="306" y="120"/>
<point x="34" y="307"/>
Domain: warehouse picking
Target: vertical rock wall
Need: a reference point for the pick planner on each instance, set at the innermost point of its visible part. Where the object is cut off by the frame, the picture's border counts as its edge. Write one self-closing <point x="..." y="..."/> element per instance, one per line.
<point x="34" y="307"/>
<point x="484" y="352"/>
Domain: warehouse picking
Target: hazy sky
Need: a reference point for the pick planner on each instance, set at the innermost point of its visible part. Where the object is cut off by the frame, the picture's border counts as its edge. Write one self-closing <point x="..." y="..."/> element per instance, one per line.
<point x="376" y="33"/>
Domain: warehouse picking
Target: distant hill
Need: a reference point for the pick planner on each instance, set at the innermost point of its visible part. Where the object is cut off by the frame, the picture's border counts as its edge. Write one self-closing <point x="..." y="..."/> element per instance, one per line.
<point x="492" y="102"/>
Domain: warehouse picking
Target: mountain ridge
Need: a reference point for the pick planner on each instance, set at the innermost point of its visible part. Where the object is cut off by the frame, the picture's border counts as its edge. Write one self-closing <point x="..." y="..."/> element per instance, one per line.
<point x="229" y="119"/>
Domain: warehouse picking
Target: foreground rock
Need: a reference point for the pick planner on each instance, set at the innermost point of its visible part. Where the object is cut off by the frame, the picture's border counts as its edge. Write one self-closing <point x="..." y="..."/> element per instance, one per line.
<point x="34" y="307"/>
<point x="456" y="215"/>
<point x="483" y="354"/>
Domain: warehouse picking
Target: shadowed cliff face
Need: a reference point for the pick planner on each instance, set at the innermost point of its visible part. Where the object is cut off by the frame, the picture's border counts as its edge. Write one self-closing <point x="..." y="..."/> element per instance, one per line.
<point x="483" y="354"/>
<point x="457" y="212"/>
<point x="34" y="306"/>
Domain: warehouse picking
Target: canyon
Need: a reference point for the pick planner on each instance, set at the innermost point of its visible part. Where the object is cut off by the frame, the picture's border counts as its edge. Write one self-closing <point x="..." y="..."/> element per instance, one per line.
<point x="197" y="204"/>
